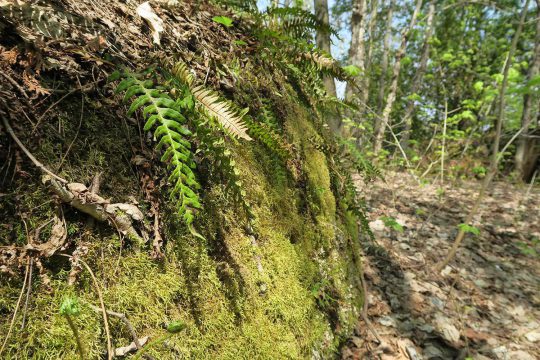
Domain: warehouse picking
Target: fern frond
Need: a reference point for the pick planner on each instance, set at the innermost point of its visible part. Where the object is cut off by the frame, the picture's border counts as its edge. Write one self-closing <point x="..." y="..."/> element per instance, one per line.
<point x="296" y="21"/>
<point x="269" y="137"/>
<point x="362" y="165"/>
<point x="216" y="108"/>
<point x="221" y="110"/>
<point x="162" y="114"/>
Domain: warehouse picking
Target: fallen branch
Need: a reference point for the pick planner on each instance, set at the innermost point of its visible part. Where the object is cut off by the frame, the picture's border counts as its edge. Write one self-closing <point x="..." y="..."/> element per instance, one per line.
<point x="121" y="215"/>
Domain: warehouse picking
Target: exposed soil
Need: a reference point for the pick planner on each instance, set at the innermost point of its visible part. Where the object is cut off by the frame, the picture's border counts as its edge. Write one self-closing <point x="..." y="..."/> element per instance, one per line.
<point x="485" y="305"/>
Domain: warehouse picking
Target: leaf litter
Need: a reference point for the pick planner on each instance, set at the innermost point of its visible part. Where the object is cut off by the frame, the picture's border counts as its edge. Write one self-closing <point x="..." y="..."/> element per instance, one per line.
<point x="484" y="305"/>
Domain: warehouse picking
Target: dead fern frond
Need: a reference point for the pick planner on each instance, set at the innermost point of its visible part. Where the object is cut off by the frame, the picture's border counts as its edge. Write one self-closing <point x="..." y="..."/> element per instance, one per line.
<point x="221" y="110"/>
<point x="211" y="104"/>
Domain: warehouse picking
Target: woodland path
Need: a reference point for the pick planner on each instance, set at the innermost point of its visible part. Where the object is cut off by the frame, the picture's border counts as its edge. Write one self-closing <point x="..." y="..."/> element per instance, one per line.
<point x="485" y="305"/>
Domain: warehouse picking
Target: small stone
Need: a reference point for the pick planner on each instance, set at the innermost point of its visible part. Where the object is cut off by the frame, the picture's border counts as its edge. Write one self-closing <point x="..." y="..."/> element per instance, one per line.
<point x="533" y="336"/>
<point x="520" y="355"/>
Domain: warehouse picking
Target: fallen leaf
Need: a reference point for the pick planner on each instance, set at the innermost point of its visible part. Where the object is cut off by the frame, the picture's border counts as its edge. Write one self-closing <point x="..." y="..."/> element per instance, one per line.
<point x="154" y="22"/>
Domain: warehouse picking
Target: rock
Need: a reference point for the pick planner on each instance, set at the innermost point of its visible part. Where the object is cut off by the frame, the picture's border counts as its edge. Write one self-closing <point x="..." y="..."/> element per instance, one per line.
<point x="377" y="225"/>
<point x="444" y="326"/>
<point x="520" y="355"/>
<point x="533" y="336"/>
<point x="387" y="321"/>
<point x="501" y="352"/>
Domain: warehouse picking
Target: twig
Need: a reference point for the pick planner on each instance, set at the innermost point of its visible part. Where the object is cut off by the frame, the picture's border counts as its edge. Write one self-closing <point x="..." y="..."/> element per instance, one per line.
<point x="124" y="319"/>
<point x="14" y="83"/>
<point x="103" y="310"/>
<point x="531" y="184"/>
<point x="29" y="289"/>
<point x="16" y="307"/>
<point x="365" y="309"/>
<point x="71" y="324"/>
<point x="28" y="153"/>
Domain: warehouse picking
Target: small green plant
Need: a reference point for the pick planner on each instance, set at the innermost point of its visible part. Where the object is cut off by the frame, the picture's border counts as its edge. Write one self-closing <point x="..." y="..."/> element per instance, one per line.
<point x="530" y="249"/>
<point x="173" y="328"/>
<point x="223" y="20"/>
<point x="70" y="308"/>
<point x="479" y="171"/>
<point x="469" y="229"/>
<point x="391" y="223"/>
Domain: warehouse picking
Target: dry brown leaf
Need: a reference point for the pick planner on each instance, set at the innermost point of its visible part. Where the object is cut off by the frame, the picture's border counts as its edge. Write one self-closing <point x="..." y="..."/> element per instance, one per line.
<point x="154" y="22"/>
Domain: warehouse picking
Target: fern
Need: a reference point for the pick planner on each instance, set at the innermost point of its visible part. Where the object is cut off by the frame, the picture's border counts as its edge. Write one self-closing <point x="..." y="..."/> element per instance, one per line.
<point x="162" y="114"/>
<point x="210" y="103"/>
<point x="362" y="165"/>
<point x="269" y="137"/>
<point x="297" y="22"/>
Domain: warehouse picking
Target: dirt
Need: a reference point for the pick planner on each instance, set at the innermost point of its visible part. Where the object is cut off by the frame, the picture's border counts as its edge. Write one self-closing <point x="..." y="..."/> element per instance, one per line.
<point x="484" y="305"/>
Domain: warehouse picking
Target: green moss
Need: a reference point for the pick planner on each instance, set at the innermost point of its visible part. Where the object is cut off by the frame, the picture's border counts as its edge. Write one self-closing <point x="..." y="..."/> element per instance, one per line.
<point x="306" y="242"/>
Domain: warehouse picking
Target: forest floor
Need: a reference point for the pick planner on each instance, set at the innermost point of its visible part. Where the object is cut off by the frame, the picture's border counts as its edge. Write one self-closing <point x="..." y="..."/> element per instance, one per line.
<point x="485" y="305"/>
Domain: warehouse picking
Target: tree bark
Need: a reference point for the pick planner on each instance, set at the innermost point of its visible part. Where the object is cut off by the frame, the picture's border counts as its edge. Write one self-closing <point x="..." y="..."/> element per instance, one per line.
<point x="417" y="80"/>
<point x="357" y="48"/>
<point x="523" y="153"/>
<point x="384" y="60"/>
<point x="369" y="53"/>
<point x="379" y="134"/>
<point x="322" y="39"/>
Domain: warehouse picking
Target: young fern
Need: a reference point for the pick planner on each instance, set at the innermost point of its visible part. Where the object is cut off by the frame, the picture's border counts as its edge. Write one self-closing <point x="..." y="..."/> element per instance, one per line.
<point x="162" y="114"/>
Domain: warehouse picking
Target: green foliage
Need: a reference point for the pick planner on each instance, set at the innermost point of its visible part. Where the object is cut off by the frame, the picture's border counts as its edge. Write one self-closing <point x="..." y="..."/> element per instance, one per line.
<point x="176" y="326"/>
<point x="70" y="306"/>
<point x="210" y="103"/>
<point x="391" y="223"/>
<point x="531" y="248"/>
<point x="469" y="229"/>
<point x="359" y="162"/>
<point x="223" y="20"/>
<point x="163" y="115"/>
<point x="352" y="70"/>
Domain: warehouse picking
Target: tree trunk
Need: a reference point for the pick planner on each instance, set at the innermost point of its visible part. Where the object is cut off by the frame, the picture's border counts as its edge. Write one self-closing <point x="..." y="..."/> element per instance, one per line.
<point x="379" y="134"/>
<point x="357" y="48"/>
<point x="417" y="80"/>
<point x="384" y="60"/>
<point x="494" y="161"/>
<point x="523" y="152"/>
<point x="323" y="42"/>
<point x="369" y="52"/>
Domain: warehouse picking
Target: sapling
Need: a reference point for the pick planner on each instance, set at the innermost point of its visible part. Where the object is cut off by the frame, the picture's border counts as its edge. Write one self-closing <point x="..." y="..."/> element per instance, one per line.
<point x="69" y="308"/>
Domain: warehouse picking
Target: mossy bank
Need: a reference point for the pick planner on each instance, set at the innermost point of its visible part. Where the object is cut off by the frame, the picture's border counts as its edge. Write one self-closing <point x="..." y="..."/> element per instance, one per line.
<point x="286" y="285"/>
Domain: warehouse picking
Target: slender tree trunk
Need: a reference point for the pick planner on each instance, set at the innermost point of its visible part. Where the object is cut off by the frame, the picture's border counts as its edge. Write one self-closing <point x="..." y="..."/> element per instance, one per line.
<point x="323" y="42"/>
<point x="417" y="80"/>
<point x="357" y="48"/>
<point x="379" y="134"/>
<point x="384" y="60"/>
<point x="524" y="143"/>
<point x="369" y="52"/>
<point x="495" y="155"/>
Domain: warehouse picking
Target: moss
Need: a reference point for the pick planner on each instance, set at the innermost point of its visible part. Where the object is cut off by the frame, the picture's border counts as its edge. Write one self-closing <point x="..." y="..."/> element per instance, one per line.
<point x="307" y="245"/>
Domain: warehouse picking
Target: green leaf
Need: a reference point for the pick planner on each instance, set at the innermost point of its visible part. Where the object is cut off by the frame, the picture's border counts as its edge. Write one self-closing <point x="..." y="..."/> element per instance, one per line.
<point x="176" y="326"/>
<point x="70" y="307"/>
<point x="240" y="42"/>
<point x="352" y="70"/>
<point x="223" y="20"/>
<point x="391" y="222"/>
<point x="478" y="86"/>
<point x="466" y="228"/>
